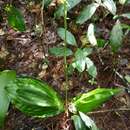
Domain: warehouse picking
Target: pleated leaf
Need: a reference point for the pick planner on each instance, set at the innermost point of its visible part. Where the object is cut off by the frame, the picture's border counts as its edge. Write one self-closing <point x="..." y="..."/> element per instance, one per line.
<point x="5" y="77"/>
<point x="93" y="99"/>
<point x="34" y="97"/>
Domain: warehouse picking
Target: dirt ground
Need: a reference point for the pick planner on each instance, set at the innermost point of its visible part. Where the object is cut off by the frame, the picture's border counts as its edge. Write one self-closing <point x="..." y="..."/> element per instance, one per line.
<point x="27" y="53"/>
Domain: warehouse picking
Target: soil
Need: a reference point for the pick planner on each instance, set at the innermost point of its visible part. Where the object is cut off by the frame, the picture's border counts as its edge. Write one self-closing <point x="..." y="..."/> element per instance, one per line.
<point x="27" y="54"/>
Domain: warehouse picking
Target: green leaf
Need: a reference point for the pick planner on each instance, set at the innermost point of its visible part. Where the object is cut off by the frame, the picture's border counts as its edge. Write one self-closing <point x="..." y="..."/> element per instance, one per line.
<point x="87" y="51"/>
<point x="79" y="62"/>
<point x="34" y="97"/>
<point x="46" y="2"/>
<point x="93" y="99"/>
<point x="78" y="123"/>
<point x="70" y="69"/>
<point x="127" y="77"/>
<point x="125" y="26"/>
<point x="83" y="122"/>
<point x="60" y="51"/>
<point x="122" y="1"/>
<point x="116" y="37"/>
<point x="80" y="58"/>
<point x="110" y="5"/>
<point x="128" y="2"/>
<point x="15" y="18"/>
<point x="101" y="42"/>
<point x="127" y="15"/>
<point x="91" y="68"/>
<point x="69" y="36"/>
<point x="87" y="13"/>
<point x="5" y="77"/>
<point x="98" y="1"/>
<point x="88" y="121"/>
<point x="70" y="4"/>
<point x="90" y="35"/>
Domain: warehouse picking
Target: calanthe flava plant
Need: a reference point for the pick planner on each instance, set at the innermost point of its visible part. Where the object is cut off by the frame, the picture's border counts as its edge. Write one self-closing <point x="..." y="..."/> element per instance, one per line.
<point x="35" y="97"/>
<point x="38" y="99"/>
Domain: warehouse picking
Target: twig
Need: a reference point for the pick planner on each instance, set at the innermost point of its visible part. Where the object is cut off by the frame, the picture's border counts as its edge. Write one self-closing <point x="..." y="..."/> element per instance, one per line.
<point x="109" y="110"/>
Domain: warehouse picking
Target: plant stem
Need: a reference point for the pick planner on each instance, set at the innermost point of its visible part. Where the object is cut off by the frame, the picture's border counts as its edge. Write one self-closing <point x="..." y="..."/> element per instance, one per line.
<point x="65" y="58"/>
<point x="43" y="28"/>
<point x="42" y="16"/>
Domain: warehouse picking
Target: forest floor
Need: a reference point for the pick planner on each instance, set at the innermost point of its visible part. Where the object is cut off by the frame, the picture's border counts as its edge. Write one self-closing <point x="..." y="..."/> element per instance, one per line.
<point x="27" y="53"/>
